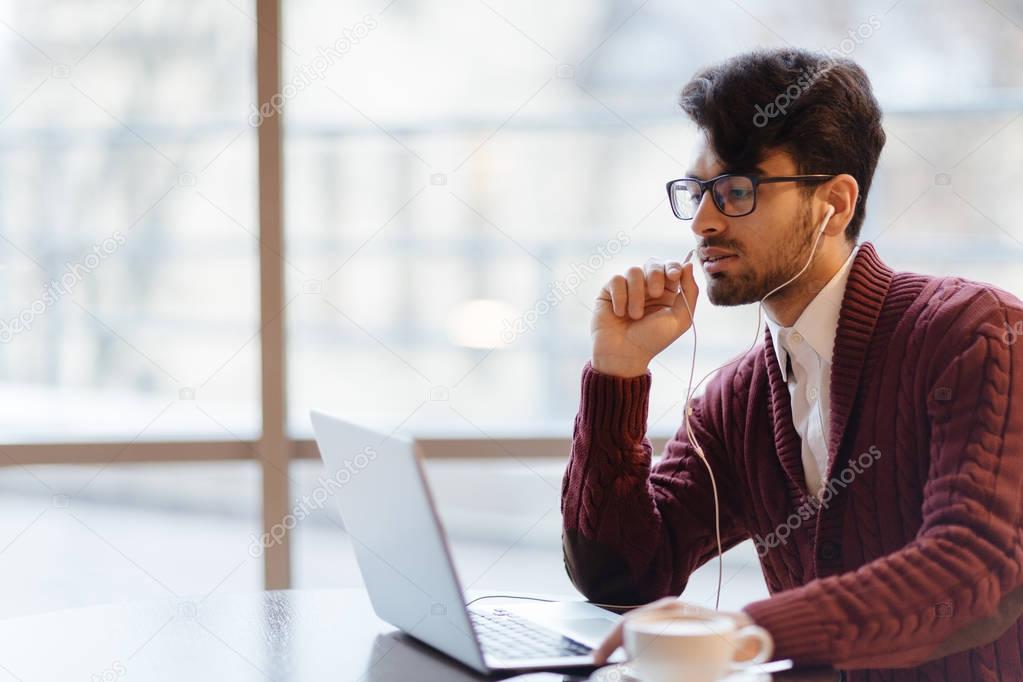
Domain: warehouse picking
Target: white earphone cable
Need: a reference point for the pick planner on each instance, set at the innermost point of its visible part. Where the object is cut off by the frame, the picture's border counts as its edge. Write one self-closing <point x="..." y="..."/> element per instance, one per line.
<point x="690" y="390"/>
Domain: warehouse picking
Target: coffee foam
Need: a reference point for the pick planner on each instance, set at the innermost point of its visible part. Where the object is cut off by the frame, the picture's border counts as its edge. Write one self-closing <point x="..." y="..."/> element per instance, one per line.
<point x="684" y="627"/>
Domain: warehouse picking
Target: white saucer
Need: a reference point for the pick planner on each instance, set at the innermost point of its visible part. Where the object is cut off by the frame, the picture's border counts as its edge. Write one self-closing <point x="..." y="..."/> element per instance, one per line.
<point x="622" y="673"/>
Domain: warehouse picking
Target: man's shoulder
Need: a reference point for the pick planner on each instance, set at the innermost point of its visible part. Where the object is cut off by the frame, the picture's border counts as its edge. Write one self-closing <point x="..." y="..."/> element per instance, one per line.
<point x="944" y="298"/>
<point x="949" y="314"/>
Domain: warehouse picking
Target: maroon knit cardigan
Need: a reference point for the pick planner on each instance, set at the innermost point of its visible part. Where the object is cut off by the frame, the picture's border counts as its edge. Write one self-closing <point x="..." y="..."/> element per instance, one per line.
<point x="911" y="565"/>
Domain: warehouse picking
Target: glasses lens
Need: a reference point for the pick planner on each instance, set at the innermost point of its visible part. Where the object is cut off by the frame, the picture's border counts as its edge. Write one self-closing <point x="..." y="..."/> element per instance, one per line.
<point x="733" y="194"/>
<point x="685" y="198"/>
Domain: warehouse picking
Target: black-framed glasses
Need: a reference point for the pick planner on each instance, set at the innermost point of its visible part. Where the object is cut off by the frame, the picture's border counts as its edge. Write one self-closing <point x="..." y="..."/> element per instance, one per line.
<point x="734" y="195"/>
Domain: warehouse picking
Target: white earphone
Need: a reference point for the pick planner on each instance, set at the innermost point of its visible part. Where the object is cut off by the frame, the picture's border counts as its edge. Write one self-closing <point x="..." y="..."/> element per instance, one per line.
<point x="691" y="389"/>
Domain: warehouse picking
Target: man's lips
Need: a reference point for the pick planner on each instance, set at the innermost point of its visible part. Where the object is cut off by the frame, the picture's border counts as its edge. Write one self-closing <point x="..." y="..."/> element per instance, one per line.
<point x="715" y="260"/>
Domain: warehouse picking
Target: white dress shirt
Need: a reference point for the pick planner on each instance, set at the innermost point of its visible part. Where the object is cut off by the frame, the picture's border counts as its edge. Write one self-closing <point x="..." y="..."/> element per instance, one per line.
<point x="809" y="344"/>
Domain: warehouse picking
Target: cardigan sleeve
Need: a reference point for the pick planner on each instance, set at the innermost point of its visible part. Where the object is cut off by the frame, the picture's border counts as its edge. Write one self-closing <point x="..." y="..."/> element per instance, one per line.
<point x="634" y="532"/>
<point x="959" y="580"/>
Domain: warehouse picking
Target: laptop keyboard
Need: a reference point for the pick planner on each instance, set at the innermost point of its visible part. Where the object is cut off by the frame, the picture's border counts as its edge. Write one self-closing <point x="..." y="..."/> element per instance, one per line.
<point x="508" y="636"/>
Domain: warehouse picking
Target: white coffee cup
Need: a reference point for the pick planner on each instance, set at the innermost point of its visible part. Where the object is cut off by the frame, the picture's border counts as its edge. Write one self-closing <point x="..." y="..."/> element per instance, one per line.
<point x="666" y="647"/>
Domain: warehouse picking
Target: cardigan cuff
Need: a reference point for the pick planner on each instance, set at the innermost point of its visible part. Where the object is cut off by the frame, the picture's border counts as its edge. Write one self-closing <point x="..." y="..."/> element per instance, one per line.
<point x="615" y="405"/>
<point x="795" y="625"/>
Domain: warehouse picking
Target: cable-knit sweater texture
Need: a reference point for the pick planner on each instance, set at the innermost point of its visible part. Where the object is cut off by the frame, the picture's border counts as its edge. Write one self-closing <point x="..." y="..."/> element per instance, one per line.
<point x="910" y="566"/>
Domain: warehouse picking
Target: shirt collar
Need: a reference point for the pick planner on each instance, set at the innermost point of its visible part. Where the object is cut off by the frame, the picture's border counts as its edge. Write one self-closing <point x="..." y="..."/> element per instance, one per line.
<point x="818" y="323"/>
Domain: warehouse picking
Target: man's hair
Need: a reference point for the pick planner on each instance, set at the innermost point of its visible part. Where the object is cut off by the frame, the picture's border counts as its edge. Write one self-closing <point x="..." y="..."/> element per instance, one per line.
<point x="820" y="109"/>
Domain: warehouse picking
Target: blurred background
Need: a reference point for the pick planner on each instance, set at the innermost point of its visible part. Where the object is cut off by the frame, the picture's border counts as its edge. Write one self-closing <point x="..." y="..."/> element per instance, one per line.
<point x="460" y="178"/>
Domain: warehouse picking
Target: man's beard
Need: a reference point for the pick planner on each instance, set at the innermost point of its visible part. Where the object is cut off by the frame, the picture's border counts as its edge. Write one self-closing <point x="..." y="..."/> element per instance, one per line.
<point x="749" y="286"/>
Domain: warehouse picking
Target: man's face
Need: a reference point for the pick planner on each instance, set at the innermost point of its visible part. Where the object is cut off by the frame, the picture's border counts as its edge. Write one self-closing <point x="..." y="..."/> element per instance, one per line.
<point x="770" y="245"/>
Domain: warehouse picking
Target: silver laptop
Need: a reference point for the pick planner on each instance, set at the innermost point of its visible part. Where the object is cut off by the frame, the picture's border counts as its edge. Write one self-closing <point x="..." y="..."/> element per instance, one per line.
<point x="403" y="555"/>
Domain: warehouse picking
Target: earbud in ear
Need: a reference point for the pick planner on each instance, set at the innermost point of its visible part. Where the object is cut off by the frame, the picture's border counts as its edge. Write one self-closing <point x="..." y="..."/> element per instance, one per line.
<point x="827" y="217"/>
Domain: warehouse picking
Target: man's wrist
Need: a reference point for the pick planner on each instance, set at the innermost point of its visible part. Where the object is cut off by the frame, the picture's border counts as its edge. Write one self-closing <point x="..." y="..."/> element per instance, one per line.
<point x="624" y="370"/>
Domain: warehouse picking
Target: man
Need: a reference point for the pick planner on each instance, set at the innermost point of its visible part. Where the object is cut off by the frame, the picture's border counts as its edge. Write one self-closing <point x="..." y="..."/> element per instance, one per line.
<point x="872" y="446"/>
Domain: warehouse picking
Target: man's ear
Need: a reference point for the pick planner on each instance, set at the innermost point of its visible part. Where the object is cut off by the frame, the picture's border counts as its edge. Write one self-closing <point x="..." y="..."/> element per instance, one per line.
<point x="842" y="192"/>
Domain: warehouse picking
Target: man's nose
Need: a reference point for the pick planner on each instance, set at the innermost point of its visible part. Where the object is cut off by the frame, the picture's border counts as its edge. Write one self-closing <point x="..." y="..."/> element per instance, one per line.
<point x="708" y="219"/>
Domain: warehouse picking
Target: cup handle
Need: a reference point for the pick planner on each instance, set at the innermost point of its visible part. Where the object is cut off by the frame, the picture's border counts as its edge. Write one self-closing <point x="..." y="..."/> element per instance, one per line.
<point x="766" y="645"/>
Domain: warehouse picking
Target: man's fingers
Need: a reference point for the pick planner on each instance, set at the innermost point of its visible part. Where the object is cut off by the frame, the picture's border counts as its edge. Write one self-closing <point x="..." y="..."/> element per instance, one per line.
<point x="629" y="293"/>
<point x="610" y="643"/>
<point x="637" y="292"/>
<point x="619" y="291"/>
<point x="654" y="277"/>
<point x="673" y="270"/>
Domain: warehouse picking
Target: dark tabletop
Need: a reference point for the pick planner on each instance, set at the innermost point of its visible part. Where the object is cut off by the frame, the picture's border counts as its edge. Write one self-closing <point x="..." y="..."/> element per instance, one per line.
<point x="288" y="635"/>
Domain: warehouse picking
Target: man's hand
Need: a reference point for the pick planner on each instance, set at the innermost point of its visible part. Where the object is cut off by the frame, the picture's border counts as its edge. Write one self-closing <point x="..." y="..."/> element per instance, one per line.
<point x="639" y="314"/>
<point x="671" y="606"/>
